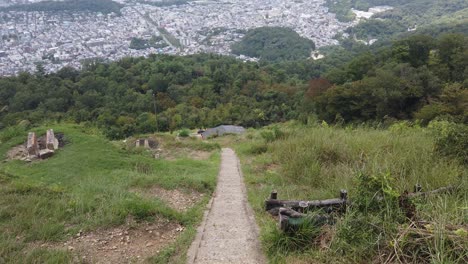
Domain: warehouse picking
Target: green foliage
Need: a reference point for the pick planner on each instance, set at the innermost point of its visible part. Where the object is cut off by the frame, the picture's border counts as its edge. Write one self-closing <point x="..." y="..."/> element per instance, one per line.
<point x="400" y="82"/>
<point x="451" y="139"/>
<point x="376" y="167"/>
<point x="431" y="17"/>
<point x="103" y="6"/>
<point x="153" y="42"/>
<point x="282" y="243"/>
<point x="274" y="44"/>
<point x="189" y="92"/>
<point x="11" y="132"/>
<point x="184" y="133"/>
<point x="273" y="134"/>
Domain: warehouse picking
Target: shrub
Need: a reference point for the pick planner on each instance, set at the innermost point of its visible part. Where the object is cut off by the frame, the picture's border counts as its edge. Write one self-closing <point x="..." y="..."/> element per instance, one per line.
<point x="184" y="133"/>
<point x="272" y="135"/>
<point x="451" y="139"/>
<point x="373" y="217"/>
<point x="11" y="132"/>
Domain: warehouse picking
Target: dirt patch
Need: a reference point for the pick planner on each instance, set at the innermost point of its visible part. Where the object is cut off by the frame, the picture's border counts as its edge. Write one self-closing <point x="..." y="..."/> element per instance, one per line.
<point x="129" y="243"/>
<point x="177" y="199"/>
<point x="17" y="153"/>
<point x="178" y="153"/>
<point x="200" y="155"/>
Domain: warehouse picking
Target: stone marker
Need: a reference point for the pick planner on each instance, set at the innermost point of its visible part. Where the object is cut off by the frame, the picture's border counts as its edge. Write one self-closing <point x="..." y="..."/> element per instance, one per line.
<point x="51" y="141"/>
<point x="33" y="149"/>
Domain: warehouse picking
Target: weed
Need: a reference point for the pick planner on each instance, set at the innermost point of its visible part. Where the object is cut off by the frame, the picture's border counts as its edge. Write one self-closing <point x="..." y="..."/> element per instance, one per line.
<point x="375" y="166"/>
<point x="184" y="133"/>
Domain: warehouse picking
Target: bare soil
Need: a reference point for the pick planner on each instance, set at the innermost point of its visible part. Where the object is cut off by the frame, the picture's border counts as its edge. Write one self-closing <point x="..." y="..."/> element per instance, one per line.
<point x="129" y="243"/>
<point x="17" y="153"/>
<point x="180" y="200"/>
<point x="184" y="152"/>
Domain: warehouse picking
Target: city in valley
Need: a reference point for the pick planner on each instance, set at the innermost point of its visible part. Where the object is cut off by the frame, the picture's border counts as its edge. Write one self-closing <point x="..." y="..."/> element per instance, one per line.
<point x="58" y="39"/>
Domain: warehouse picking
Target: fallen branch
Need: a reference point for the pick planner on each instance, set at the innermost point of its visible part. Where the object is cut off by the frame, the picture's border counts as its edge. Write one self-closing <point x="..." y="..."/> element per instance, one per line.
<point x="436" y="191"/>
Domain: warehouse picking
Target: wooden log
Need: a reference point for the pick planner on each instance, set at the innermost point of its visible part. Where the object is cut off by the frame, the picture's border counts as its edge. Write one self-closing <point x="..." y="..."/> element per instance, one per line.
<point x="439" y="190"/>
<point x="273" y="195"/>
<point x="290" y="221"/>
<point x="336" y="203"/>
<point x="290" y="212"/>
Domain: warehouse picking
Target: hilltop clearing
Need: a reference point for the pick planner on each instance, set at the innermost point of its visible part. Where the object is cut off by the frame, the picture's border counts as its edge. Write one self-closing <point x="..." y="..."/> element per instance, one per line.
<point x="93" y="200"/>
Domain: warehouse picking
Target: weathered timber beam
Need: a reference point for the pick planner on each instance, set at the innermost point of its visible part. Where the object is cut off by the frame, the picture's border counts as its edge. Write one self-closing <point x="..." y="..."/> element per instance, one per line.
<point x="290" y="212"/>
<point x="289" y="223"/>
<point x="273" y="204"/>
<point x="336" y="202"/>
<point x="439" y="190"/>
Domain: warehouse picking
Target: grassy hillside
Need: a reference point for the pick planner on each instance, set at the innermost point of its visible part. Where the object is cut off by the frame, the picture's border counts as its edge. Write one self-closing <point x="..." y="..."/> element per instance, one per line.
<point x="316" y="161"/>
<point x="87" y="186"/>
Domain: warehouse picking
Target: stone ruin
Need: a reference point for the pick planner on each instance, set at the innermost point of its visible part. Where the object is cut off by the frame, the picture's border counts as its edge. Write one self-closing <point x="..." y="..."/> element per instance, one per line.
<point x="146" y="143"/>
<point x="149" y="144"/>
<point x="42" y="148"/>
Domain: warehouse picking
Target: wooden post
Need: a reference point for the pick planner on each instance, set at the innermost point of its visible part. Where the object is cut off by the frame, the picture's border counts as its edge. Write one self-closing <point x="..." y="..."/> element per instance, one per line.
<point x="274" y="195"/>
<point x="344" y="194"/>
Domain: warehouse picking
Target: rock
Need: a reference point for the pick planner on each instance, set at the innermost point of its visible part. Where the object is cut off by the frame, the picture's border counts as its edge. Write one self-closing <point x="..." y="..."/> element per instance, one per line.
<point x="46" y="153"/>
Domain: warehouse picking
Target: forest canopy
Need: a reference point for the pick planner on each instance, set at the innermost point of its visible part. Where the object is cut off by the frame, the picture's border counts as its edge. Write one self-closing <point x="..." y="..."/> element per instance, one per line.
<point x="274" y="44"/>
<point x="424" y="15"/>
<point x="420" y="77"/>
<point x="103" y="6"/>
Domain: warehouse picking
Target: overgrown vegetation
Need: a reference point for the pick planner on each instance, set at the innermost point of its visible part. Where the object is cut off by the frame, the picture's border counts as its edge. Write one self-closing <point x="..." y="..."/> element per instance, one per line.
<point x="103" y="6"/>
<point x="86" y="186"/>
<point x="156" y="42"/>
<point x="423" y="15"/>
<point x="376" y="166"/>
<point x="274" y="44"/>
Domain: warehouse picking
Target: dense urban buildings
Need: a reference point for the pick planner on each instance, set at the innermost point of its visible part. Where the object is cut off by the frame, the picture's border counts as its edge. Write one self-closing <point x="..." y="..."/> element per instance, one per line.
<point x="58" y="39"/>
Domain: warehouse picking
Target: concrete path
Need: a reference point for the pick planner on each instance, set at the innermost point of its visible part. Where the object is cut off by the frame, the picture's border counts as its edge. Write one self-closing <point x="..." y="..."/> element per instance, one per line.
<point x="228" y="233"/>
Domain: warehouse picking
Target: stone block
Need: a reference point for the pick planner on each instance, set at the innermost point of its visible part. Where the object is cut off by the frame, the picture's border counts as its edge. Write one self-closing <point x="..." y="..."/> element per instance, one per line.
<point x="51" y="142"/>
<point x="32" y="147"/>
<point x="46" y="153"/>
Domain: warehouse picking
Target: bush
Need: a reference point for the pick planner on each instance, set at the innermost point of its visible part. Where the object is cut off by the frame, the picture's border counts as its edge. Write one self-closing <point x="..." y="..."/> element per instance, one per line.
<point x="451" y="139"/>
<point x="373" y="217"/>
<point x="184" y="133"/>
<point x="12" y="132"/>
<point x="257" y="149"/>
<point x="272" y="135"/>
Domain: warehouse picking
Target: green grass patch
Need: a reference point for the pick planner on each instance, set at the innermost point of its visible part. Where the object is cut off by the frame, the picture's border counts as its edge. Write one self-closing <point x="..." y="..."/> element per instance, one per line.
<point x="316" y="161"/>
<point x="86" y="186"/>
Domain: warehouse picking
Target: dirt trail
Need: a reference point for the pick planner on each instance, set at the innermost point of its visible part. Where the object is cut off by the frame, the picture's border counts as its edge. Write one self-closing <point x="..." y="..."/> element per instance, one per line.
<point x="228" y="233"/>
